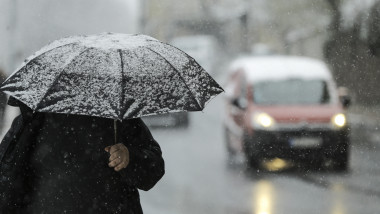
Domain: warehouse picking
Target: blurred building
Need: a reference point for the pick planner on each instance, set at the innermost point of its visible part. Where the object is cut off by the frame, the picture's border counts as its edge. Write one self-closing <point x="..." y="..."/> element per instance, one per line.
<point x="239" y="25"/>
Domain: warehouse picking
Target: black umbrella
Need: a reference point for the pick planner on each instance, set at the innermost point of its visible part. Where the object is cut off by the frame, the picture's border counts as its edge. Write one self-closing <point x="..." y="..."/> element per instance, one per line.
<point x="109" y="75"/>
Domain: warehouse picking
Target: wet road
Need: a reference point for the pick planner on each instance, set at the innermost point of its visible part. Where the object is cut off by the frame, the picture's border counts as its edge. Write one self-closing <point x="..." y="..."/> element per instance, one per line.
<point x="197" y="178"/>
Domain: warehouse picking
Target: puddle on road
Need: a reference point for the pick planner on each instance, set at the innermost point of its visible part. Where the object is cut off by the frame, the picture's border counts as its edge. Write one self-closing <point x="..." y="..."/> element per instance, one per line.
<point x="263" y="196"/>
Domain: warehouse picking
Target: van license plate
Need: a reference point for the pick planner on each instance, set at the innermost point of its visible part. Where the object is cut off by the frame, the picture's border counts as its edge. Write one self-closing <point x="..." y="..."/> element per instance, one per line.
<point x="306" y="142"/>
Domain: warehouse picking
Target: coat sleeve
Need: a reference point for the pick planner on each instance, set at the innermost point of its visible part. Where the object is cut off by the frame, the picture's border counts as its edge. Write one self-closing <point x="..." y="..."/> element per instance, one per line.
<point x="10" y="135"/>
<point x="146" y="165"/>
<point x="16" y="126"/>
<point x="10" y="191"/>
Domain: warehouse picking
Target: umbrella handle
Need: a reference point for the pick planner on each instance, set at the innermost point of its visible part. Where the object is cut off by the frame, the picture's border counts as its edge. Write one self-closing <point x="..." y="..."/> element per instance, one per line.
<point x="115" y="130"/>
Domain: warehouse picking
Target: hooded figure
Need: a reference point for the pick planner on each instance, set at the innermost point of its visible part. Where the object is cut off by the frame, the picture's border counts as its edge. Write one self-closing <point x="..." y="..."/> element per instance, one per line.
<point x="55" y="163"/>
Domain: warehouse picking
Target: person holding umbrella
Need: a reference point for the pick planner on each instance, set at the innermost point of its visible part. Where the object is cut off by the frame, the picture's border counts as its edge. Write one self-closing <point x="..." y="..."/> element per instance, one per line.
<point x="79" y="145"/>
<point x="67" y="163"/>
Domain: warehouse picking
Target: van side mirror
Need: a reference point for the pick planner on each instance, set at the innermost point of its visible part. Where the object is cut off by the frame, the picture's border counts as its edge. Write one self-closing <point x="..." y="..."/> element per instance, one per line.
<point x="346" y="101"/>
<point x="344" y="97"/>
<point x="239" y="102"/>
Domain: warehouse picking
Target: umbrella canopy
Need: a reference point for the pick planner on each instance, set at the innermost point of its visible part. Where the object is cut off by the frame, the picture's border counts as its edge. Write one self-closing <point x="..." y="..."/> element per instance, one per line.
<point x="109" y="75"/>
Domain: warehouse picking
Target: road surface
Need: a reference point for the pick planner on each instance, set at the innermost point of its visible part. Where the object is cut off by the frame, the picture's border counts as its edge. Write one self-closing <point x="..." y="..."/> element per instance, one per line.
<point x="197" y="178"/>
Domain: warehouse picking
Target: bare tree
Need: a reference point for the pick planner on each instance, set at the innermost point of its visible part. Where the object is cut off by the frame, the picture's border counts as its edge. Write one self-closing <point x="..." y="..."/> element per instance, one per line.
<point x="348" y="51"/>
<point x="335" y="14"/>
<point x="374" y="29"/>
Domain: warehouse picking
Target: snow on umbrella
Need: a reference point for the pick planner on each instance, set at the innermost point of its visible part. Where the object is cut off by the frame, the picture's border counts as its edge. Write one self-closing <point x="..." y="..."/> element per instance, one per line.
<point x="109" y="75"/>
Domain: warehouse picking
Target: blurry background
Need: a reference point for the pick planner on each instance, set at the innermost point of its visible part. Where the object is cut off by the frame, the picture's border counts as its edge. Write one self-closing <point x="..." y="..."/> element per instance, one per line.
<point x="344" y="33"/>
<point x="26" y="26"/>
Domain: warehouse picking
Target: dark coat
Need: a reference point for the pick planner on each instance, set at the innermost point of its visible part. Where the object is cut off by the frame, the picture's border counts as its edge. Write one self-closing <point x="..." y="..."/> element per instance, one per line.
<point x="55" y="163"/>
<point x="3" y="100"/>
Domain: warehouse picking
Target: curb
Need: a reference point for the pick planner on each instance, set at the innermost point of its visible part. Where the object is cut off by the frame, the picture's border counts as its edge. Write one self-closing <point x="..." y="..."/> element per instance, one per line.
<point x="365" y="124"/>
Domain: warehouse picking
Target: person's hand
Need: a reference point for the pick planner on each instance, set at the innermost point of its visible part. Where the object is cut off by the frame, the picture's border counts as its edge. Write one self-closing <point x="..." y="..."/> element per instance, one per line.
<point x="119" y="156"/>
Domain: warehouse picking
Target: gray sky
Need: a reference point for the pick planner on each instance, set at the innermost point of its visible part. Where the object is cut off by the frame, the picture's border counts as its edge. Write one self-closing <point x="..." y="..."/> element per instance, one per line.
<point x="26" y="26"/>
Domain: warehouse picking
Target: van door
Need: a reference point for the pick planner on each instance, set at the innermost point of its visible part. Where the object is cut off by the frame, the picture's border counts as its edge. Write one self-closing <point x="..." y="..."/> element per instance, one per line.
<point x="240" y="103"/>
<point x="237" y="105"/>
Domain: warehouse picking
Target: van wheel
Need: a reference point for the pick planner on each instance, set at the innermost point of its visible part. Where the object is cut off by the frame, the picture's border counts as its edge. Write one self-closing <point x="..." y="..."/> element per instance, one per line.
<point x="341" y="158"/>
<point x="253" y="161"/>
<point x="231" y="154"/>
<point x="182" y="121"/>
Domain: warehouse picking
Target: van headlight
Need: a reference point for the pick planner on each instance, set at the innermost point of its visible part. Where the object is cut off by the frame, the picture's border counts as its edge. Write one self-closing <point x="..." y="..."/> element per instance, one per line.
<point x="263" y="120"/>
<point x="339" y="120"/>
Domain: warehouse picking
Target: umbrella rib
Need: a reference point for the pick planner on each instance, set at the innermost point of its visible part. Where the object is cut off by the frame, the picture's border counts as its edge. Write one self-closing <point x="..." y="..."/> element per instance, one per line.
<point x="122" y="111"/>
<point x="179" y="74"/>
<point x="167" y="44"/>
<point x="31" y="60"/>
<point x="56" y="79"/>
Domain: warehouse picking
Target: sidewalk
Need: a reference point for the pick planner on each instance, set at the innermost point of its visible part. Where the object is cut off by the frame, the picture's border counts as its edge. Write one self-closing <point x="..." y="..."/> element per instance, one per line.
<point x="365" y="123"/>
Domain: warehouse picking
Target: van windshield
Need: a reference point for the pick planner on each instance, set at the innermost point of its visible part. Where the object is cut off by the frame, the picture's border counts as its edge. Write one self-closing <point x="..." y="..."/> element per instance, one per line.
<point x="291" y="92"/>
